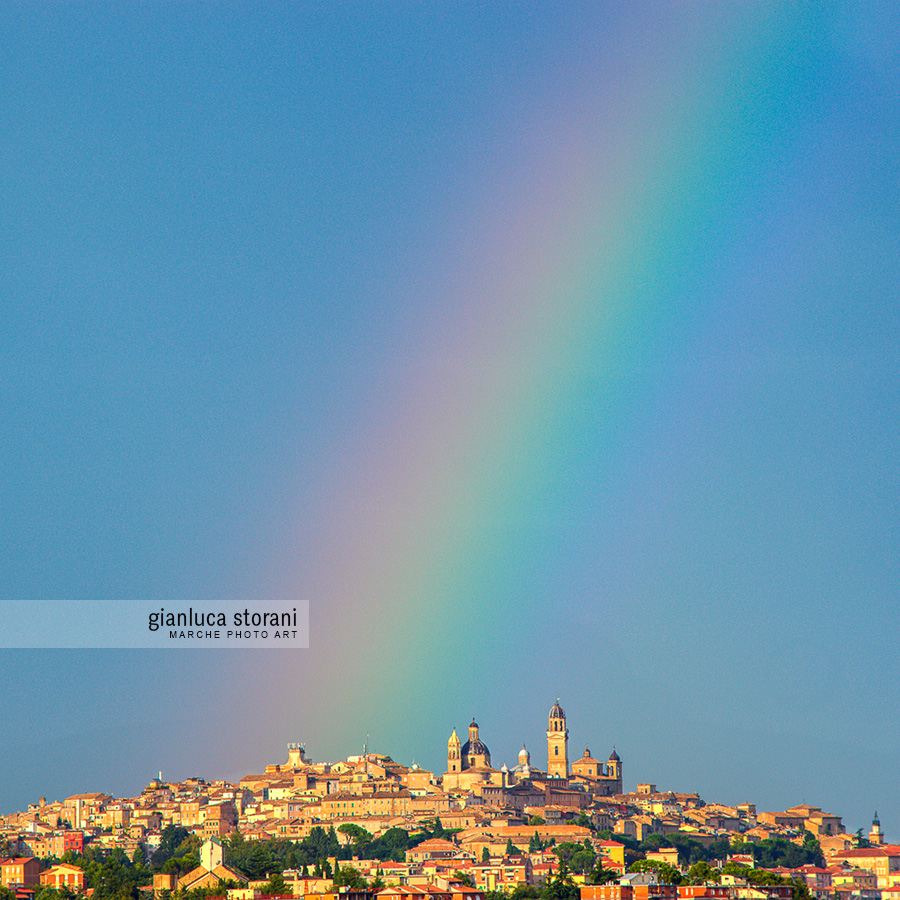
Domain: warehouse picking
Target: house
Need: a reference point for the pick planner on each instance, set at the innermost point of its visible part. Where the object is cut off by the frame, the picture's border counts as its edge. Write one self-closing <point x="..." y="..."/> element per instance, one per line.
<point x="20" y="871"/>
<point x="63" y="875"/>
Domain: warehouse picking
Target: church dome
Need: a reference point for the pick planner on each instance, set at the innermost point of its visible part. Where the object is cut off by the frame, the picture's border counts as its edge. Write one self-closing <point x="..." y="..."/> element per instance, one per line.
<point x="475" y="748"/>
<point x="557" y="712"/>
<point x="524" y="762"/>
<point x="614" y="755"/>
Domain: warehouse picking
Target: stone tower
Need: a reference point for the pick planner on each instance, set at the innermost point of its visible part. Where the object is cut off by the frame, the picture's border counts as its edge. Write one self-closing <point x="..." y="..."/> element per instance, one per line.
<point x="614" y="768"/>
<point x="557" y="743"/>
<point x="454" y="757"/>
<point x="876" y="837"/>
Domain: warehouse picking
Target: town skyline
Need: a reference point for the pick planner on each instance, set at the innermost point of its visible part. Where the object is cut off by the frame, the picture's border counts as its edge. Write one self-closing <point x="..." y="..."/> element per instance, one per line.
<point x="540" y="757"/>
<point x="536" y="349"/>
<point x="404" y="829"/>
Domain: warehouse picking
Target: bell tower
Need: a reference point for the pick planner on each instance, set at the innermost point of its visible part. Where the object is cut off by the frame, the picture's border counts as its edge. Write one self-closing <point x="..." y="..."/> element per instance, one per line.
<point x="557" y="743"/>
<point x="614" y="767"/>
<point x="876" y="837"/>
<point x="454" y="757"/>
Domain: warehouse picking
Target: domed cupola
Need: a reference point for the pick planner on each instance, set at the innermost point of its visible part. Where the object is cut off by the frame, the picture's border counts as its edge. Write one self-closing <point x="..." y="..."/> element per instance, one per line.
<point x="474" y="751"/>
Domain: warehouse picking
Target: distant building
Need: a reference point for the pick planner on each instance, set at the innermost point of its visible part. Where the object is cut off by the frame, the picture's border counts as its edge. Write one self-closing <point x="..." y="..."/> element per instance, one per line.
<point x="211" y="870"/>
<point x="20" y="871"/>
<point x="469" y="768"/>
<point x="875" y="835"/>
<point x="63" y="875"/>
<point x="469" y="764"/>
<point x="557" y="743"/>
<point x="644" y="889"/>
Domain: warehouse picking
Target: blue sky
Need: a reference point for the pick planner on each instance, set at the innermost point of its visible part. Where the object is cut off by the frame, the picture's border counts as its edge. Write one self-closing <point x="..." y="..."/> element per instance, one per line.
<point x="543" y="349"/>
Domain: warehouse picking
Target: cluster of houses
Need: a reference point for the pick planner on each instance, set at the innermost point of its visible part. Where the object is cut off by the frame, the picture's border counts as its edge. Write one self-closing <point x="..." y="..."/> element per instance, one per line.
<point x="505" y="825"/>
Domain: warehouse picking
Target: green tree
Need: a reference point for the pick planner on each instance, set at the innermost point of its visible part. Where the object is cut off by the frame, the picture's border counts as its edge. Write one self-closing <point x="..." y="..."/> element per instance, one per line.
<point x="718" y="849"/>
<point x="562" y="887"/>
<point x="654" y="842"/>
<point x="392" y="845"/>
<point x="276" y="885"/>
<point x="664" y="872"/>
<point x="45" y="892"/>
<point x="601" y="875"/>
<point x="690" y="850"/>
<point x="350" y="878"/>
<point x="357" y="833"/>
<point x="701" y="873"/>
<point x="172" y="843"/>
<point x="578" y="858"/>
<point x="485" y="855"/>
<point x="628" y="842"/>
<point x="524" y="892"/>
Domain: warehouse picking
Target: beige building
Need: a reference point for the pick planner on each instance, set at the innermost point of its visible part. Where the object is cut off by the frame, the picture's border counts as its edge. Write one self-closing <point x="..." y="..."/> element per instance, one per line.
<point x="883" y="861"/>
<point x="557" y="743"/>
<point x="469" y="764"/>
<point x="211" y="870"/>
<point x="803" y="818"/>
<point x="64" y="875"/>
<point x="469" y="769"/>
<point x="20" y="871"/>
<point x="345" y="805"/>
<point x="219" y="819"/>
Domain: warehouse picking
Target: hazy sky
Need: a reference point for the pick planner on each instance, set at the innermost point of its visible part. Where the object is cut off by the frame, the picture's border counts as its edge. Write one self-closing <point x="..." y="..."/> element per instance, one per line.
<point x="543" y="349"/>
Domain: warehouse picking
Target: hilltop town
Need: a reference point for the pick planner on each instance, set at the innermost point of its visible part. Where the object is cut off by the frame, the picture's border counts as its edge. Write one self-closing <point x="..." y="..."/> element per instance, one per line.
<point x="369" y="827"/>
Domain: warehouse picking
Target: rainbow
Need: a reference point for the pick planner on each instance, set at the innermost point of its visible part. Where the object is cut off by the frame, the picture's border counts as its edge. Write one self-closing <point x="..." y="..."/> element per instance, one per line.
<point x="580" y="280"/>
